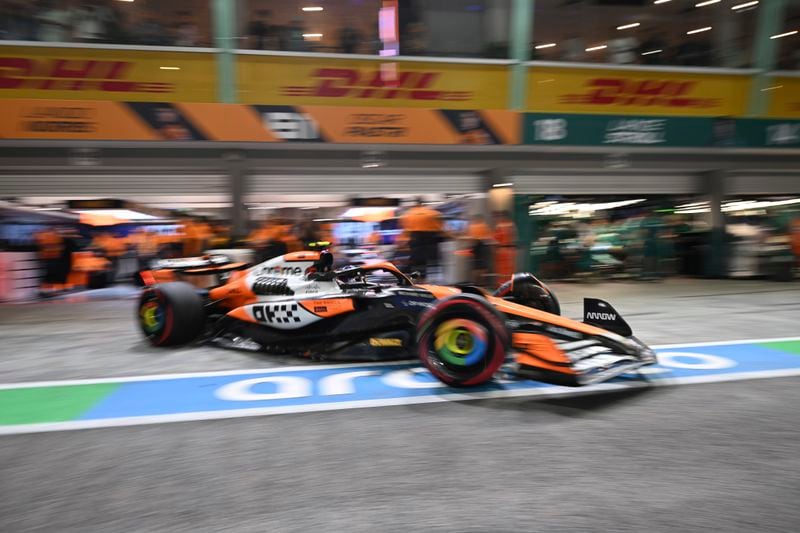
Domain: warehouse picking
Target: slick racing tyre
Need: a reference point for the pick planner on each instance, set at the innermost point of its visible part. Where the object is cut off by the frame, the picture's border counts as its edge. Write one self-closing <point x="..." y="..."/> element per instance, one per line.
<point x="462" y="340"/>
<point x="171" y="313"/>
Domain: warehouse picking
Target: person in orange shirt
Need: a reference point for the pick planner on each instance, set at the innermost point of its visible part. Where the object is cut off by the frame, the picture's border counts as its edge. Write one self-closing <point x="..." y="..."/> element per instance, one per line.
<point x="145" y="244"/>
<point x="271" y="239"/>
<point x="505" y="236"/>
<point x="220" y="236"/>
<point x="112" y="248"/>
<point x="51" y="246"/>
<point x="192" y="238"/>
<point x="424" y="227"/>
<point x="794" y="236"/>
<point x="480" y="235"/>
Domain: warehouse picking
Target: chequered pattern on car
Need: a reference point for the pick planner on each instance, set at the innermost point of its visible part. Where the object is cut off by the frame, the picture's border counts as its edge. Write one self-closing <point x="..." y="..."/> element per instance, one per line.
<point x="276" y="313"/>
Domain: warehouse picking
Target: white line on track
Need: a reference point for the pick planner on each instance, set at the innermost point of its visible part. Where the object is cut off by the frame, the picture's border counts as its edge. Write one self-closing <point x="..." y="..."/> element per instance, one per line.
<point x="360" y="404"/>
<point x="154" y="377"/>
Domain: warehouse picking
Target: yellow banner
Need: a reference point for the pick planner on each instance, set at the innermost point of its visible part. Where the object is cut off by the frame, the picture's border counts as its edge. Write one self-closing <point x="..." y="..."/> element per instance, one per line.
<point x="92" y="74"/>
<point x="359" y="82"/>
<point x="636" y="92"/>
<point x="784" y="97"/>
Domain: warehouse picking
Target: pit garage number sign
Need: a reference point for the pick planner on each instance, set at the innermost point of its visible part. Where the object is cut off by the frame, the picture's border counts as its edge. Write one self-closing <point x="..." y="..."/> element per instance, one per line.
<point x="595" y="130"/>
<point x="626" y="130"/>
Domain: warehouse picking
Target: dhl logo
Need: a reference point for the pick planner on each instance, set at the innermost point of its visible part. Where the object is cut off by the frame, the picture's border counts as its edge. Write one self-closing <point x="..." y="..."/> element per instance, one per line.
<point x="353" y="83"/>
<point x="73" y="75"/>
<point x="629" y="92"/>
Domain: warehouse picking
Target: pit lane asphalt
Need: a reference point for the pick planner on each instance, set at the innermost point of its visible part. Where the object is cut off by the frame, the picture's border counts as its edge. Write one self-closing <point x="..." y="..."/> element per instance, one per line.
<point x="718" y="457"/>
<point x="66" y="339"/>
<point x="695" y="458"/>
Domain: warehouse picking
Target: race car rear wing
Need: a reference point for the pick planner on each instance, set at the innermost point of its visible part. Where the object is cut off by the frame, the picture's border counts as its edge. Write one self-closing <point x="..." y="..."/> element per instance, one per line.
<point x="601" y="314"/>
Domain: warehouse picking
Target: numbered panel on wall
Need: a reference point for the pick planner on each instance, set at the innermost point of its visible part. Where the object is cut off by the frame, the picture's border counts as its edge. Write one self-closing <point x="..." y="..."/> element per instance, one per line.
<point x="599" y="130"/>
<point x="649" y="131"/>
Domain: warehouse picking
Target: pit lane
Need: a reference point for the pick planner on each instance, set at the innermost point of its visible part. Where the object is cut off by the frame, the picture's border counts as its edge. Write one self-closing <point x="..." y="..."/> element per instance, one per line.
<point x="719" y="456"/>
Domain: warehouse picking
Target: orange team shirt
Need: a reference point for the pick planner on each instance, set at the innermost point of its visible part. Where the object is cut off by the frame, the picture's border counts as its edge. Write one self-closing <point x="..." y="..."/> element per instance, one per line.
<point x="50" y="244"/>
<point x="111" y="245"/>
<point x="795" y="236"/>
<point x="144" y="242"/>
<point x="479" y="231"/>
<point x="421" y="218"/>
<point x="504" y="234"/>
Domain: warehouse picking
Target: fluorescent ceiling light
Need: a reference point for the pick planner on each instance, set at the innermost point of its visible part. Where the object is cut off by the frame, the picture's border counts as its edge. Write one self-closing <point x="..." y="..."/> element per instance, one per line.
<point x="548" y="45"/>
<point x="661" y="2"/>
<point x="735" y="205"/>
<point x="707" y="3"/>
<point x="744" y="205"/>
<point x="312" y="35"/>
<point x="771" y="88"/>
<point x="354" y="212"/>
<point x="652" y="52"/>
<point x="698" y="30"/>
<point x="745" y="5"/>
<point x="126" y="214"/>
<point x="313" y="8"/>
<point x="593" y="48"/>
<point x="629" y="26"/>
<point x="572" y="207"/>
<point x="508" y="184"/>
<point x="170" y="68"/>
<point x="787" y="34"/>
<point x="692" y="211"/>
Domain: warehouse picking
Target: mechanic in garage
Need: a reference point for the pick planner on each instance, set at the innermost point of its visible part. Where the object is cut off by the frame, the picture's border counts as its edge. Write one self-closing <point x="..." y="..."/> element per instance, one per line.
<point x="424" y="227"/>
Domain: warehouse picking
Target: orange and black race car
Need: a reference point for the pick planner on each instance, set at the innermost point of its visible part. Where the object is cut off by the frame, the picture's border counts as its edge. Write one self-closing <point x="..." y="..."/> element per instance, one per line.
<point x="200" y="271"/>
<point x="297" y="303"/>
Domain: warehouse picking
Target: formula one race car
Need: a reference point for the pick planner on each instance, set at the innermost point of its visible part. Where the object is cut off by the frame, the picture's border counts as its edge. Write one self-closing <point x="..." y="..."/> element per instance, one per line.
<point x="297" y="303"/>
<point x="198" y="271"/>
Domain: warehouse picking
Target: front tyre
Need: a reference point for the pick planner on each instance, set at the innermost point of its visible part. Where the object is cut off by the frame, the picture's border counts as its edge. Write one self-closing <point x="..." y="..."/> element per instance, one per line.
<point x="170" y="313"/>
<point x="462" y="340"/>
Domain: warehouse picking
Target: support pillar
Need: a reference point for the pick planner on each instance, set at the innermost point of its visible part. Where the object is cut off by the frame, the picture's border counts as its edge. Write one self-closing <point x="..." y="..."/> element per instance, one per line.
<point x="225" y="40"/>
<point x="520" y="43"/>
<point x="771" y="16"/>
<point x="716" y="259"/>
<point x="727" y="38"/>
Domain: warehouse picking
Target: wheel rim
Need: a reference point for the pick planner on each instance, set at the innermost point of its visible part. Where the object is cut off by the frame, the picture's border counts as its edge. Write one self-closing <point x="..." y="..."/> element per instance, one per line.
<point x="151" y="317"/>
<point x="461" y="342"/>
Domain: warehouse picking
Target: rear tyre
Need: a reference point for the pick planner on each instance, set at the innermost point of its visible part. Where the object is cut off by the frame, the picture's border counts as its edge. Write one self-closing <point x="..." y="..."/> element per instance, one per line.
<point x="170" y="313"/>
<point x="462" y="340"/>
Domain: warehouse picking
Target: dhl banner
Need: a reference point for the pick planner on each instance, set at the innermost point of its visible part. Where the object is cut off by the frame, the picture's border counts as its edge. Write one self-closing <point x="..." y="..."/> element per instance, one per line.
<point x="555" y="89"/>
<point x="784" y="97"/>
<point x="93" y="74"/>
<point x="361" y="82"/>
<point x="152" y="121"/>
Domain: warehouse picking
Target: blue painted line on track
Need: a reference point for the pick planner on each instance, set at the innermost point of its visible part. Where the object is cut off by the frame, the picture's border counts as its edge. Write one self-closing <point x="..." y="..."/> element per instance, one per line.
<point x="300" y="389"/>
